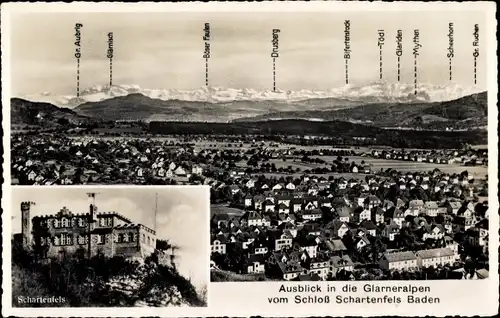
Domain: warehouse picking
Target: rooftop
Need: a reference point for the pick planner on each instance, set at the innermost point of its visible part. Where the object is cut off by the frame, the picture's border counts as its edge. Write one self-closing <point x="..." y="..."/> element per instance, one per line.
<point x="435" y="252"/>
<point x="400" y="256"/>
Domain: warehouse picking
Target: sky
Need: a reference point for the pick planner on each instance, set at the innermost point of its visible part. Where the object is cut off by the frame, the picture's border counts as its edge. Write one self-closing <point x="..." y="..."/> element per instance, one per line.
<point x="182" y="216"/>
<point x="165" y="50"/>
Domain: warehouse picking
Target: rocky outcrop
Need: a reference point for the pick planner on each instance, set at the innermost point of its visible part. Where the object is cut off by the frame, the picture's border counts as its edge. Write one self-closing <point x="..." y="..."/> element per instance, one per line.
<point x="147" y="286"/>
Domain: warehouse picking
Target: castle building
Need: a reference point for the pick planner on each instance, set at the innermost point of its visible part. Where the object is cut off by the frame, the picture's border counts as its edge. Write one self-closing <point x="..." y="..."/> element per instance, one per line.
<point x="89" y="234"/>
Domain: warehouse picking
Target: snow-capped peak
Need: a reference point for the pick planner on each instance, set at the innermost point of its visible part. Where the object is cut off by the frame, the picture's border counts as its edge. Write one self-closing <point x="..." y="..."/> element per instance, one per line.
<point x="379" y="91"/>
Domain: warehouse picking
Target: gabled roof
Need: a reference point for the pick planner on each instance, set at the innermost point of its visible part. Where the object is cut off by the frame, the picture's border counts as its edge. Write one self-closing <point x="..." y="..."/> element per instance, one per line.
<point x="431" y="205"/>
<point x="309" y="240"/>
<point x="416" y="203"/>
<point x="297" y="201"/>
<point x="256" y="258"/>
<point x="372" y="199"/>
<point x="388" y="204"/>
<point x="346" y="261"/>
<point x="369" y="225"/>
<point x="335" y="245"/>
<point x="439" y="227"/>
<point x="435" y="252"/>
<point x="394" y="213"/>
<point x="455" y="204"/>
<point x="400" y="256"/>
<point x="345" y="211"/>
<point x="311" y="212"/>
<point x="290" y="267"/>
<point x="392" y="228"/>
<point x="362" y="238"/>
<point x="251" y="215"/>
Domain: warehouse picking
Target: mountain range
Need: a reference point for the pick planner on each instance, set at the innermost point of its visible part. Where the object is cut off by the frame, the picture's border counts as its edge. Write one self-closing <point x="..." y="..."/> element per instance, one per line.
<point x="376" y="92"/>
<point x="137" y="106"/>
<point x="463" y="113"/>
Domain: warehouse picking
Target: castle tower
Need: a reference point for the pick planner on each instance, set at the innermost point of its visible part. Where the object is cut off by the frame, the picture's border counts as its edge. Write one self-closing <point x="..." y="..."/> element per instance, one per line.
<point x="92" y="219"/>
<point x="26" y="224"/>
<point x="91" y="227"/>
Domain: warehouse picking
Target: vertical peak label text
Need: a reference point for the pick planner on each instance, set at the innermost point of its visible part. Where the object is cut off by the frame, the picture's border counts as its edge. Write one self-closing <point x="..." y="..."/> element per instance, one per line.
<point x="416" y="53"/>
<point x="347" y="48"/>
<point x="78" y="54"/>
<point x="451" y="51"/>
<point x="275" y="53"/>
<point x="475" y="53"/>
<point x="110" y="57"/>
<point x="380" y="44"/>
<point x="399" y="50"/>
<point x="206" y="51"/>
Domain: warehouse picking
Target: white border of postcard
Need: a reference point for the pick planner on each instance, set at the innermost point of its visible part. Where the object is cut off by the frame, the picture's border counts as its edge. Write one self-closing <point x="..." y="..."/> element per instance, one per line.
<point x="478" y="297"/>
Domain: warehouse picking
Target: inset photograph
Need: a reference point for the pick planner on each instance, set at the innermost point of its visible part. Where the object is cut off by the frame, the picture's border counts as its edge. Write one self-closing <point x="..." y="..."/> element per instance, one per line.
<point x="110" y="246"/>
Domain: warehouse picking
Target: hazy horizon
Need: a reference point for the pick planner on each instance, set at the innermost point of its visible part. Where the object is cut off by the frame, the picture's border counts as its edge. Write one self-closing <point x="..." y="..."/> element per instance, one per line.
<point x="164" y="50"/>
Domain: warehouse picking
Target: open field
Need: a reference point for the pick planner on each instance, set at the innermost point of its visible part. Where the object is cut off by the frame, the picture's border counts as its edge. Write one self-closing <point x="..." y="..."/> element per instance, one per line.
<point x="295" y="164"/>
<point x="375" y="163"/>
<point x="479" y="147"/>
<point x="346" y="175"/>
<point x="412" y="166"/>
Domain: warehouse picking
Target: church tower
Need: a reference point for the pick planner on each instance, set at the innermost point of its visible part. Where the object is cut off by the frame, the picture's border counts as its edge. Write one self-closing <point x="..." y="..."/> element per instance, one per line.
<point x="26" y="224"/>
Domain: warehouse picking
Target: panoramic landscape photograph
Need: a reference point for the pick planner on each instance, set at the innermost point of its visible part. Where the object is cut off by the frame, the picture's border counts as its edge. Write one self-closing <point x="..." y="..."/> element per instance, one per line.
<point x="353" y="149"/>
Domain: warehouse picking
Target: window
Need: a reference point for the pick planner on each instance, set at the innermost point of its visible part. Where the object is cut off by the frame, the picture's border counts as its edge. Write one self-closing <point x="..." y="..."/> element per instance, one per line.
<point x="108" y="221"/>
<point x="131" y="237"/>
<point x="101" y="239"/>
<point x="82" y="240"/>
<point x="81" y="222"/>
<point x="149" y="241"/>
<point x="143" y="238"/>
<point x="66" y="239"/>
<point x="65" y="222"/>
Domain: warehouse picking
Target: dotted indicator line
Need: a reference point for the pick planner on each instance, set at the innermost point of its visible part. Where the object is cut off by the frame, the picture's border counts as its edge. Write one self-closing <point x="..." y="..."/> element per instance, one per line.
<point x="274" y="74"/>
<point x="110" y="72"/>
<point x="399" y="68"/>
<point x="415" y="74"/>
<point x="347" y="71"/>
<point x="206" y="71"/>
<point x="380" y="64"/>
<point x="475" y="70"/>
<point x="78" y="77"/>
<point x="450" y="69"/>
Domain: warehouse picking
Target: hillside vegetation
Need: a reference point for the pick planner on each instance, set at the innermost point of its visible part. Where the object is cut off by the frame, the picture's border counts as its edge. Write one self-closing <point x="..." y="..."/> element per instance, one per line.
<point x="342" y="133"/>
<point x="24" y="112"/>
<point x="100" y="282"/>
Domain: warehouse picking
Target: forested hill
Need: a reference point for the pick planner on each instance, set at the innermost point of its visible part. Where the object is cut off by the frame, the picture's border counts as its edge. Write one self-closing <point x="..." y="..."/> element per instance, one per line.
<point x="342" y="133"/>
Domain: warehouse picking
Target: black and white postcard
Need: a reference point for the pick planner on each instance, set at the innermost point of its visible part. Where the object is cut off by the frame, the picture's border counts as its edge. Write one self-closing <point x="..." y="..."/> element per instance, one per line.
<point x="348" y="151"/>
